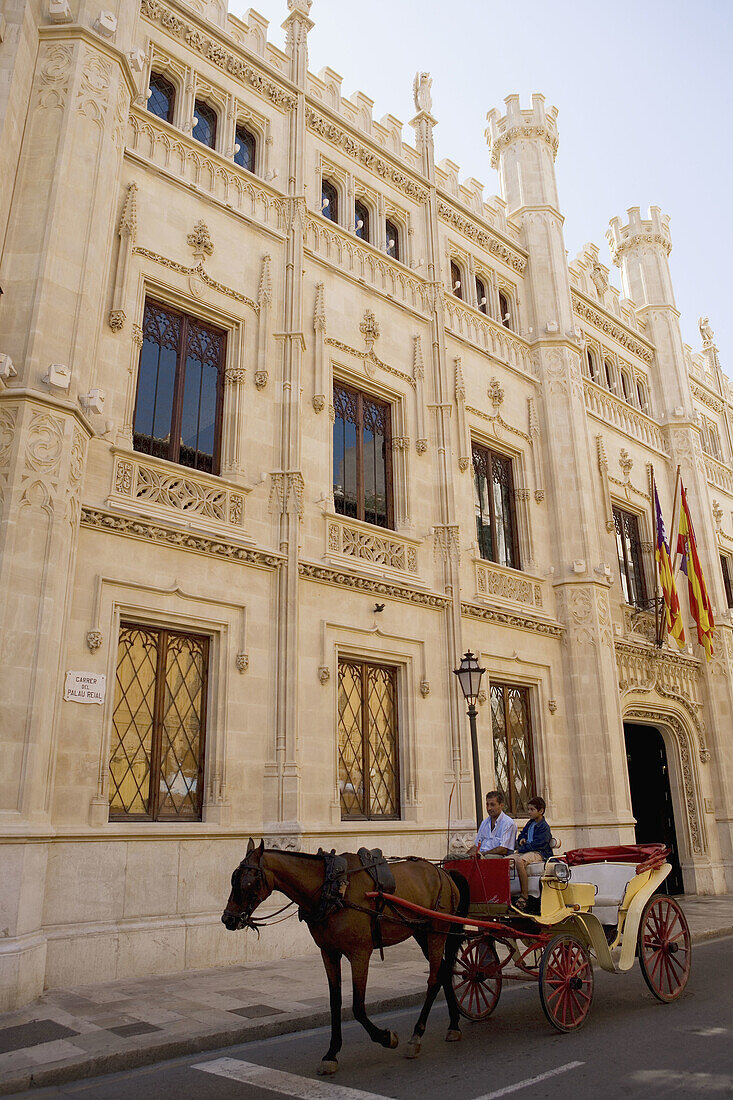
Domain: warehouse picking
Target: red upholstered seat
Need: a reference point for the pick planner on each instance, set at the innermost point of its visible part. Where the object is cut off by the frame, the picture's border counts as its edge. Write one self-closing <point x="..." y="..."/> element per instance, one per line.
<point x="640" y="854"/>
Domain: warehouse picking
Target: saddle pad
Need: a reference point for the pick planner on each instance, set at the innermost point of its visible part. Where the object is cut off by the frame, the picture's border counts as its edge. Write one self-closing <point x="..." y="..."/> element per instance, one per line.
<point x="374" y="862"/>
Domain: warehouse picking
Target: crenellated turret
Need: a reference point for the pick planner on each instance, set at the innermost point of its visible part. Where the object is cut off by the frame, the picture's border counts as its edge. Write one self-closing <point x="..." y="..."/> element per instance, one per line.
<point x="524" y="145"/>
<point x="640" y="249"/>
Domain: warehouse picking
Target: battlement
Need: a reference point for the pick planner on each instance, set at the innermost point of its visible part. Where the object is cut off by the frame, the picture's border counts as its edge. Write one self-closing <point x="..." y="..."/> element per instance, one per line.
<point x="535" y="122"/>
<point x="592" y="278"/>
<point x="638" y="230"/>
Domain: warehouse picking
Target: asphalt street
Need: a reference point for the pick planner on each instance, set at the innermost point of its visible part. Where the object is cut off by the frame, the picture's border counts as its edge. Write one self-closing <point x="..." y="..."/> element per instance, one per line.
<point x="631" y="1046"/>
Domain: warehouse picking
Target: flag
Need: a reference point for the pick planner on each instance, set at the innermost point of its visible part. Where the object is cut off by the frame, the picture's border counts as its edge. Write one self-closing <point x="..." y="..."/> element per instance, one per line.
<point x="672" y="613"/>
<point x="700" y="607"/>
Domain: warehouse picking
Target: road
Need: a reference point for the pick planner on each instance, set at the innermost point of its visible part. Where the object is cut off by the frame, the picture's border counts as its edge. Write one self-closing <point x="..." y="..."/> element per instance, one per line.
<point x="631" y="1046"/>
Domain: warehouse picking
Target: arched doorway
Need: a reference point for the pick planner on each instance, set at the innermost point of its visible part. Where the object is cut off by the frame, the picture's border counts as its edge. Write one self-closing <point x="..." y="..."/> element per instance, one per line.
<point x="651" y="797"/>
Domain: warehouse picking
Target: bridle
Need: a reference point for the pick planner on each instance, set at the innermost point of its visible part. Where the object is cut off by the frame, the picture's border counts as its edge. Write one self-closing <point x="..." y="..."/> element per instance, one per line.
<point x="261" y="889"/>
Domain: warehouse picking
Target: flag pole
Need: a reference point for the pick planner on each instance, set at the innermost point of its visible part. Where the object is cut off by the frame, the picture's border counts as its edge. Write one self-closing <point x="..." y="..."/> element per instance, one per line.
<point x="671" y="533"/>
<point x="657" y="616"/>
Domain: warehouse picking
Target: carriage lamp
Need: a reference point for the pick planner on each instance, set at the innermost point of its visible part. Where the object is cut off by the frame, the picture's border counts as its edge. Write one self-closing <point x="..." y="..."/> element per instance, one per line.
<point x="469" y="674"/>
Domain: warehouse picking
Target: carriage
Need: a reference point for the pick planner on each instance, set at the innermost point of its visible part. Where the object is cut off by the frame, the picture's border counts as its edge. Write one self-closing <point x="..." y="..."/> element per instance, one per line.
<point x="593" y="903"/>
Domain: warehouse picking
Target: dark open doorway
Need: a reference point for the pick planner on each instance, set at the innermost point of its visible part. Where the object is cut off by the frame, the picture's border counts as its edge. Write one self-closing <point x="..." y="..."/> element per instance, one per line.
<point x="651" y="797"/>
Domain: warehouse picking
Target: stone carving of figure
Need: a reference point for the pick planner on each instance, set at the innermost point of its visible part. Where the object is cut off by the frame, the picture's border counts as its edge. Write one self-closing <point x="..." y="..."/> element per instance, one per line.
<point x="421" y="86"/>
<point x="705" y="330"/>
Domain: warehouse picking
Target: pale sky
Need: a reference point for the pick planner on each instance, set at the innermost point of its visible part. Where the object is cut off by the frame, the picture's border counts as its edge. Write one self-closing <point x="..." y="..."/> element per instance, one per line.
<point x="644" y="91"/>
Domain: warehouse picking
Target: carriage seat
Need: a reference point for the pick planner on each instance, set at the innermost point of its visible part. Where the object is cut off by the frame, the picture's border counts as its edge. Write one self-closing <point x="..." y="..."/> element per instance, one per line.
<point x="611" y="881"/>
<point x="535" y="872"/>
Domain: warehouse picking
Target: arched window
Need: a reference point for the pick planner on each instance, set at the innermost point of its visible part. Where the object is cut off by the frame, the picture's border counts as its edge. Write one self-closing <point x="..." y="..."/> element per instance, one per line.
<point x="329" y="201"/>
<point x="642" y="395"/>
<point x="481" y="299"/>
<point x="456" y="280"/>
<point x="505" y="311"/>
<point x="608" y="371"/>
<point x="392" y="234"/>
<point x="245" y="155"/>
<point x="711" y="439"/>
<point x="205" y="123"/>
<point x="592" y="366"/>
<point x="361" y="220"/>
<point x="626" y="387"/>
<point x="162" y="98"/>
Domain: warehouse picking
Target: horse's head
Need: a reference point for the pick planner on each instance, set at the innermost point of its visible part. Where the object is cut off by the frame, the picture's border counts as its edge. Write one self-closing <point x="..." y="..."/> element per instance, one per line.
<point x="250" y="886"/>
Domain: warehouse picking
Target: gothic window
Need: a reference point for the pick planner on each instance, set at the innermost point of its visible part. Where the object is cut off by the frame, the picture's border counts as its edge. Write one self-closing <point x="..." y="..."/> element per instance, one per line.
<point x="630" y="565"/>
<point x="158" y="725"/>
<point x="727" y="569"/>
<point x="626" y="387"/>
<point x="642" y="396"/>
<point x="496" y="523"/>
<point x="329" y="201"/>
<point x="505" y="310"/>
<point x="393" y="239"/>
<point x="205" y="125"/>
<point x="481" y="299"/>
<point x="592" y="366"/>
<point x="162" y="98"/>
<point x="710" y="439"/>
<point x="368" y="741"/>
<point x="608" y="372"/>
<point x="511" y="729"/>
<point x="361" y="220"/>
<point x="179" y="389"/>
<point x="245" y="155"/>
<point x="456" y="280"/>
<point x="362" y="456"/>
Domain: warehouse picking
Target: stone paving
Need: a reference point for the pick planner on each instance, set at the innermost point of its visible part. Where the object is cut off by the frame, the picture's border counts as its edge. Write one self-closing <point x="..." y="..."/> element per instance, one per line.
<point x="104" y="1028"/>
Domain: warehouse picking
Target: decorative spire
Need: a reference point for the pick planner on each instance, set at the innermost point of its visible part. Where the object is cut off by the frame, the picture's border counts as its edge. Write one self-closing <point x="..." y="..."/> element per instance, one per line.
<point x="264" y="294"/>
<point x="128" y="221"/>
<point x="319" y="310"/>
<point x="418" y="367"/>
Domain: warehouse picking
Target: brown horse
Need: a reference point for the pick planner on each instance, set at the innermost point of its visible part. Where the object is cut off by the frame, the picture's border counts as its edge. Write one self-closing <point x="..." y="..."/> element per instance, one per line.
<point x="350" y="930"/>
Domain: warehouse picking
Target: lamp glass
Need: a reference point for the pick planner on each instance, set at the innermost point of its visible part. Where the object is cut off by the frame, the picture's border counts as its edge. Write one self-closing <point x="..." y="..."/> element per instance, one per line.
<point x="469" y="674"/>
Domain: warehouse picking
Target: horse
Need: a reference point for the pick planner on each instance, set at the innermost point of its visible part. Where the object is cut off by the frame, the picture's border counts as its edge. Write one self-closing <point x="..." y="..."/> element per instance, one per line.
<point x="353" y="927"/>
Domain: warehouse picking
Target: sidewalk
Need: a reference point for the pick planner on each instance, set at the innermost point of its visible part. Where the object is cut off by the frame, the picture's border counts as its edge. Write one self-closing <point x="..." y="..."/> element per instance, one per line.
<point x="96" y="1029"/>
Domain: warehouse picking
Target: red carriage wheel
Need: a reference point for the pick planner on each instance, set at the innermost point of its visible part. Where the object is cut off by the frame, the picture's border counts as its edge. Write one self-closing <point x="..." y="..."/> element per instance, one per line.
<point x="566" y="982"/>
<point x="477" y="979"/>
<point x="664" y="947"/>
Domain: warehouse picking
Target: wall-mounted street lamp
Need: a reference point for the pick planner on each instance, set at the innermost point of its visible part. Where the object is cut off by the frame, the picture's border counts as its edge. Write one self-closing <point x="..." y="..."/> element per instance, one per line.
<point x="469" y="674"/>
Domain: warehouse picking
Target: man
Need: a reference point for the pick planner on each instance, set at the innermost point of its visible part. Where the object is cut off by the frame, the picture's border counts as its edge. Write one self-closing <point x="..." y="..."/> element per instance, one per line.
<point x="497" y="833"/>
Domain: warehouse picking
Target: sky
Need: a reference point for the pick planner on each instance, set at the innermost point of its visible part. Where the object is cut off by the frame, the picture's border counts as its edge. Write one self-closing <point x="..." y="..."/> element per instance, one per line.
<point x="645" y="97"/>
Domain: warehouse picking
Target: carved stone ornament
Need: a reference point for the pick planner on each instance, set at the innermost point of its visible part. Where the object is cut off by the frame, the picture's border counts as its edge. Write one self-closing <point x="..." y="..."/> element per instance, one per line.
<point x="261" y="377"/>
<point x="424" y="688"/>
<point x="421" y="446"/>
<point x="481" y="697"/>
<point x="324" y="674"/>
<point x="706" y="332"/>
<point x="552" y="705"/>
<point x="600" y="280"/>
<point x="116" y="319"/>
<point x="625" y="461"/>
<point x="94" y="639"/>
<point x="242" y="661"/>
<point x="717" y="514"/>
<point x="496" y="394"/>
<point x="369" y="328"/>
<point x="421" y="93"/>
<point x="200" y="240"/>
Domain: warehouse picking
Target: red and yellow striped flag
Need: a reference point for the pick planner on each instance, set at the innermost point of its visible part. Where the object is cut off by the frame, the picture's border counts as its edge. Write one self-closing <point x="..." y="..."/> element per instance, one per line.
<point x="672" y="613"/>
<point x="700" y="607"/>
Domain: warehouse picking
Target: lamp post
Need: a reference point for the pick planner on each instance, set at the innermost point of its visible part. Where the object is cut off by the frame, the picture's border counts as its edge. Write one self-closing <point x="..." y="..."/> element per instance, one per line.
<point x="469" y="675"/>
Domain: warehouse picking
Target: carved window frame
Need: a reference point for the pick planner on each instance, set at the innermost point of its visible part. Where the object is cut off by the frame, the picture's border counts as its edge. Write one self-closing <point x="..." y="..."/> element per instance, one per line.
<point x="521" y="536"/>
<point x="644" y="543"/>
<point x="201" y="99"/>
<point x="168" y="67"/>
<point x="726" y="568"/>
<point x="457" y="275"/>
<point x="157" y="74"/>
<point x="365" y="664"/>
<point x="401" y="221"/>
<point x="361" y="392"/>
<point x="508" y="318"/>
<point x="259" y="126"/>
<point x="507" y="684"/>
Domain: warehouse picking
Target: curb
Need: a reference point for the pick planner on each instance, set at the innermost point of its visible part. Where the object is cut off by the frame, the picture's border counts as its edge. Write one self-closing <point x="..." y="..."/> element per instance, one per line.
<point x="117" y="1061"/>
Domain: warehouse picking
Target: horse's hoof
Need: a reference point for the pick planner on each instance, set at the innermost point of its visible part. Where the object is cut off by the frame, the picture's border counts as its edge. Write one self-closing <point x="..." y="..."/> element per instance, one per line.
<point x="413" y="1047"/>
<point x="454" y="1035"/>
<point x="325" y="1069"/>
<point x="394" y="1040"/>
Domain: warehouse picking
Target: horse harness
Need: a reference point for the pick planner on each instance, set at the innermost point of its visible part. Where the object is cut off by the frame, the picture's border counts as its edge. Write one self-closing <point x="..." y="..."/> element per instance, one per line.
<point x="332" y="894"/>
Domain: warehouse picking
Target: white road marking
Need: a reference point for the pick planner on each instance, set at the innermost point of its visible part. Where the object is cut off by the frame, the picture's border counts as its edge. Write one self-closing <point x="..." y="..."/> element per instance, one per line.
<point x="529" y="1081"/>
<point x="277" y="1081"/>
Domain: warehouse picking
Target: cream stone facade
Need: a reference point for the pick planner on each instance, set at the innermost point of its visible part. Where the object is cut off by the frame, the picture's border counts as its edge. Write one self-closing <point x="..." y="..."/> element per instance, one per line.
<point x="105" y="205"/>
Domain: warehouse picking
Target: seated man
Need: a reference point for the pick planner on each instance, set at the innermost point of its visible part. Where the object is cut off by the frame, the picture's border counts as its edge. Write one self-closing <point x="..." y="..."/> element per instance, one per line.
<point x="533" y="846"/>
<point x="497" y="832"/>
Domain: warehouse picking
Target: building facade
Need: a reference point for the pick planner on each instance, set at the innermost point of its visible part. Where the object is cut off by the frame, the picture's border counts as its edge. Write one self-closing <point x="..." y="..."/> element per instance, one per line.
<point x="290" y="418"/>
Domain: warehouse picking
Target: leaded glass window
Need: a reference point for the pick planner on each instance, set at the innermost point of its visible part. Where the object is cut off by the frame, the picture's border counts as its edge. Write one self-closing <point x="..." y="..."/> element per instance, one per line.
<point x="329" y="201"/>
<point x="393" y="239"/>
<point x="158" y="725"/>
<point x="179" y="389"/>
<point x="496" y="527"/>
<point x="368" y="741"/>
<point x="481" y="299"/>
<point x="727" y="570"/>
<point x="244" y="156"/>
<point x="205" y="128"/>
<point x="456" y="280"/>
<point x="630" y="564"/>
<point x="162" y="98"/>
<point x="362" y="459"/>
<point x="511" y="728"/>
<point x="361" y="220"/>
<point x="505" y="313"/>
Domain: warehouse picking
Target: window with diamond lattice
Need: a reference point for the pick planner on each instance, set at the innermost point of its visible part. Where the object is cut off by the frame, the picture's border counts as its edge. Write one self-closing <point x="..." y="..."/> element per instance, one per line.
<point x="179" y="389"/>
<point x="496" y="522"/>
<point x="162" y="98"/>
<point x="630" y="565"/>
<point x="368" y="741"/>
<point x="158" y="725"/>
<point x="362" y="456"/>
<point x="512" y="736"/>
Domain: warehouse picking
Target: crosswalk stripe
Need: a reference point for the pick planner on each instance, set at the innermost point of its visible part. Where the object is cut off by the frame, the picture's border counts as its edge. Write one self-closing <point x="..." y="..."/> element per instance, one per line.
<point x="529" y="1081"/>
<point x="278" y="1081"/>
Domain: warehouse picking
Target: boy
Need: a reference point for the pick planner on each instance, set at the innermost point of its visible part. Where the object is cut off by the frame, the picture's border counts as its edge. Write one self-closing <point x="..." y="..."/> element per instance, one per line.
<point x="534" y="845"/>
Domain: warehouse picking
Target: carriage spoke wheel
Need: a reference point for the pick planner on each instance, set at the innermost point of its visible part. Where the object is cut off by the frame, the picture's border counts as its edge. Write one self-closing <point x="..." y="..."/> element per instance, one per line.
<point x="477" y="979"/>
<point x="664" y="947"/>
<point x="566" y="982"/>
